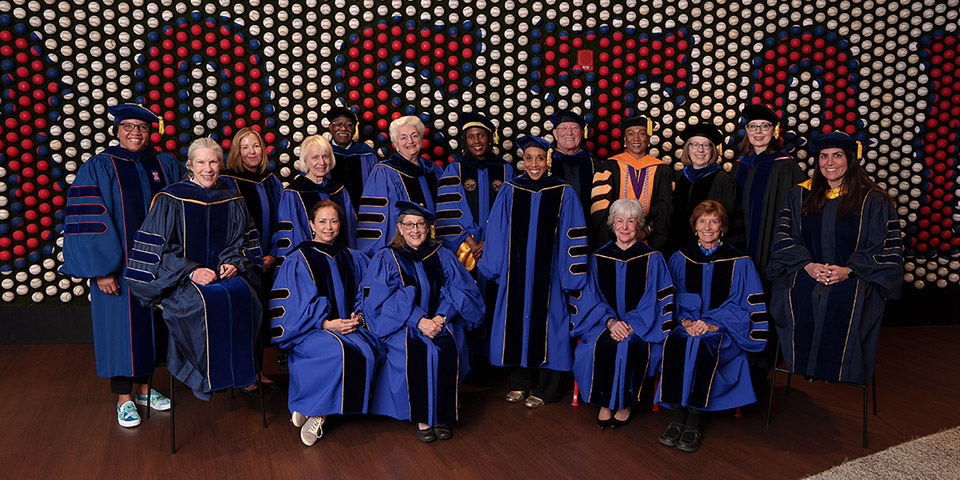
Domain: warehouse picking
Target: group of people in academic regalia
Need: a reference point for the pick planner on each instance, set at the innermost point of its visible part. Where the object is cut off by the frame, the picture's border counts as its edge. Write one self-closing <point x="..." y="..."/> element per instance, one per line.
<point x="384" y="280"/>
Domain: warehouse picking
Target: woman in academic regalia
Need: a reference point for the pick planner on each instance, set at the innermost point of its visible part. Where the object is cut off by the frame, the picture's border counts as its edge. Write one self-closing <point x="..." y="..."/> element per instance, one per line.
<point x="247" y="172"/>
<point x="633" y="174"/>
<point x="105" y="205"/>
<point x="316" y="314"/>
<point x="623" y="315"/>
<point x="702" y="178"/>
<point x="198" y="256"/>
<point x="536" y="250"/>
<point x="466" y="194"/>
<point x="311" y="186"/>
<point x="764" y="173"/>
<point x="418" y="299"/>
<point x="404" y="176"/>
<point x="721" y="316"/>
<point x="837" y="259"/>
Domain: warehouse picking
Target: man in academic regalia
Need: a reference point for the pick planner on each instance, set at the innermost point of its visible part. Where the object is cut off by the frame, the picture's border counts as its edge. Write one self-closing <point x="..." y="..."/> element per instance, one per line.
<point x="105" y="206"/>
<point x="571" y="163"/>
<point x="355" y="159"/>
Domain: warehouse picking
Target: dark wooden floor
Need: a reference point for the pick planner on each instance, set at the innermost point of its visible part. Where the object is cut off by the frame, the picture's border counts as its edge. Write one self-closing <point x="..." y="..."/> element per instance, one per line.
<point x="58" y="421"/>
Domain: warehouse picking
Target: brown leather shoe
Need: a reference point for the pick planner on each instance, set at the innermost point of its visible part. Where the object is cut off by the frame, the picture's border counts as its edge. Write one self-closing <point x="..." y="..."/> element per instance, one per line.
<point x="533" y="402"/>
<point x="515" y="396"/>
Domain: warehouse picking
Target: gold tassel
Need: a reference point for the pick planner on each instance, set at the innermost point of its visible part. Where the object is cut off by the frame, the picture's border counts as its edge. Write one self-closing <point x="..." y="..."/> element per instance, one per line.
<point x="356" y="131"/>
<point x="649" y="127"/>
<point x="859" y="150"/>
<point x="496" y="136"/>
<point x="160" y="117"/>
<point x="776" y="131"/>
<point x="586" y="130"/>
<point x="719" y="153"/>
<point x="549" y="158"/>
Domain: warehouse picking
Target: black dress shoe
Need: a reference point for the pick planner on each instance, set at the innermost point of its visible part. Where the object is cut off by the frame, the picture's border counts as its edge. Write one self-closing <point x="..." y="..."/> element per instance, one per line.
<point x="689" y="439"/>
<point x="604" y="424"/>
<point x="427" y="435"/>
<point x="443" y="432"/>
<point x="671" y="436"/>
<point x="619" y="423"/>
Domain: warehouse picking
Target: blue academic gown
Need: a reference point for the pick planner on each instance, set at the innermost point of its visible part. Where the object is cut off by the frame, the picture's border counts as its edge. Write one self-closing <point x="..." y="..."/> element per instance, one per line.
<point x="105" y="206"/>
<point x="295" y="203"/>
<point x="354" y="165"/>
<point x="261" y="193"/>
<point x="832" y="331"/>
<point x="633" y="286"/>
<point x="393" y="180"/>
<point x="212" y="326"/>
<point x="536" y="249"/>
<point x="710" y="372"/>
<point x="468" y="188"/>
<point x="330" y="373"/>
<point x="421" y="378"/>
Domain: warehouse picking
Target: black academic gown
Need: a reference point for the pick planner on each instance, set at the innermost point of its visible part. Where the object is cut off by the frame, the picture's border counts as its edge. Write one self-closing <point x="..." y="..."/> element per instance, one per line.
<point x="831" y="331"/>
<point x="692" y="186"/>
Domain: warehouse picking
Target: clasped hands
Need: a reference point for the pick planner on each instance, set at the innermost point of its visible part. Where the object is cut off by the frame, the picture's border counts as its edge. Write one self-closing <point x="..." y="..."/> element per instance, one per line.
<point x="430" y="327"/>
<point x="827" y="274"/>
<point x="206" y="276"/>
<point x="342" y="326"/>
<point x="619" y="330"/>
<point x="699" y="327"/>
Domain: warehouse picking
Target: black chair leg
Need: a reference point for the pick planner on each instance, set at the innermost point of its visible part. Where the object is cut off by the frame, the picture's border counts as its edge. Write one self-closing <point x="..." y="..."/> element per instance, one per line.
<point x="873" y="384"/>
<point x="149" y="388"/>
<point x="173" y="427"/>
<point x="263" y="410"/>
<point x="865" y="415"/>
<point x="773" y="384"/>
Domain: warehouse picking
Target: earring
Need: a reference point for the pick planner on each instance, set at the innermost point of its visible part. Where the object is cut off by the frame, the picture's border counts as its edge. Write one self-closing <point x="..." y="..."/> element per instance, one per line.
<point x="313" y="234"/>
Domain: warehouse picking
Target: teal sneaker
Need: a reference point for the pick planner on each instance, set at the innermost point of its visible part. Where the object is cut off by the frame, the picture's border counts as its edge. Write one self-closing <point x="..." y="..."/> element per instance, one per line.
<point x="157" y="401"/>
<point x="127" y="415"/>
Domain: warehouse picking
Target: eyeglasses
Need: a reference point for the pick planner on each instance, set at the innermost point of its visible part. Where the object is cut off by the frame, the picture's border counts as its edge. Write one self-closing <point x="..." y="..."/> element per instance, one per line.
<point x="700" y="146"/>
<point x="128" y="127"/>
<point x="343" y="125"/>
<point x="763" y="127"/>
<point x="411" y="225"/>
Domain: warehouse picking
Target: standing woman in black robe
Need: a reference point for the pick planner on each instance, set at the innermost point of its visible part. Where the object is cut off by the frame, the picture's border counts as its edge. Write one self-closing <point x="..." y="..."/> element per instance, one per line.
<point x="837" y="258"/>
<point x="702" y="178"/>
<point x="247" y="171"/>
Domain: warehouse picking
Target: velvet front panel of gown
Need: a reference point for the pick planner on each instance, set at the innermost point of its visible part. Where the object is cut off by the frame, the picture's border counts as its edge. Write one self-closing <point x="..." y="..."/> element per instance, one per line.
<point x="832" y="331"/>
<point x="693" y="186"/>
<point x="330" y="373"/>
<point x="536" y="249"/>
<point x="106" y="204"/>
<point x="710" y="371"/>
<point x="421" y="377"/>
<point x="633" y="286"/>
<point x="213" y="326"/>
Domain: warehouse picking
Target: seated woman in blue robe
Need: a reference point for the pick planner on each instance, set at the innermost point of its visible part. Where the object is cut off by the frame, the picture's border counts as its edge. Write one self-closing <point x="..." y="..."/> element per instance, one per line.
<point x="721" y="309"/>
<point x="315" y="313"/>
<point x="418" y="299"/>
<point x="622" y="316"/>
<point x="247" y="171"/>
<point x="311" y="186"/>
<point x="198" y="256"/>
<point x="536" y="250"/>
<point x="837" y="259"/>
<point x="402" y="177"/>
<point x="106" y="204"/>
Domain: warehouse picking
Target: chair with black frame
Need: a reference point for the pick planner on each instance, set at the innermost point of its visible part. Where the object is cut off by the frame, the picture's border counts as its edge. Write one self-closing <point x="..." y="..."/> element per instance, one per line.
<point x="872" y="382"/>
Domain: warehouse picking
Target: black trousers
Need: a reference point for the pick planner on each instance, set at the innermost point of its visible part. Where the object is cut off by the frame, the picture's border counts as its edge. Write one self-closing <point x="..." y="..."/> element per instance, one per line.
<point x="542" y="383"/>
<point x="124" y="385"/>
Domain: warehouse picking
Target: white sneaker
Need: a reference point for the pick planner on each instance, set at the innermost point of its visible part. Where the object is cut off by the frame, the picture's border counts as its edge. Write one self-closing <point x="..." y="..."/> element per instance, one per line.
<point x="298" y="419"/>
<point x="127" y="415"/>
<point x="311" y="431"/>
